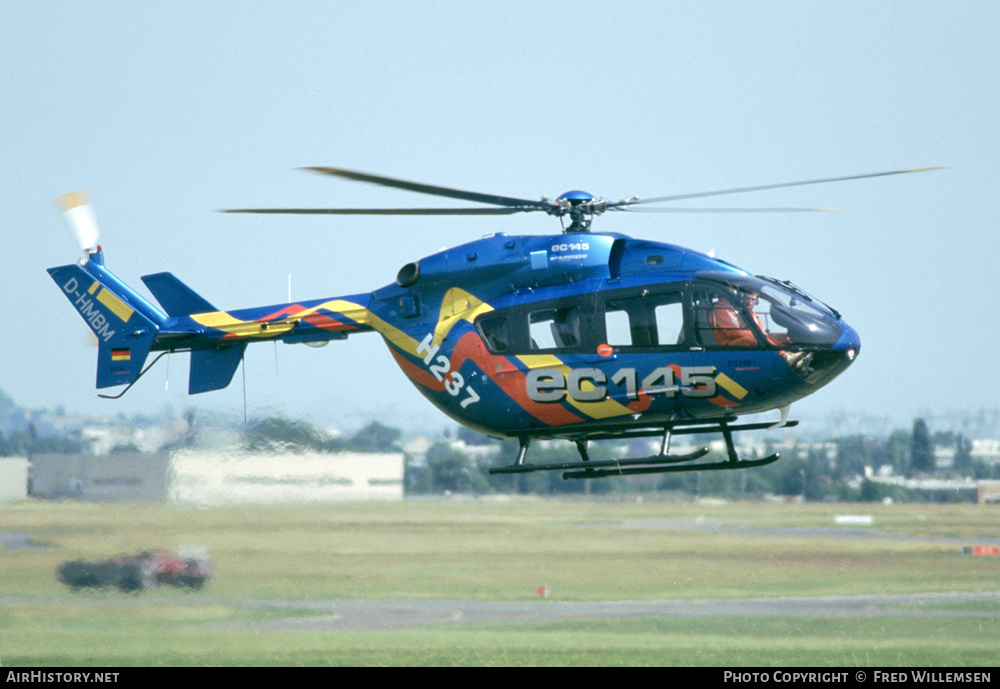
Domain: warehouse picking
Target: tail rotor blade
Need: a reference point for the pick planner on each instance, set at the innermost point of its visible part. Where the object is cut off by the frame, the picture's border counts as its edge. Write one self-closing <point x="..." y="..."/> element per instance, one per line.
<point x="80" y="216"/>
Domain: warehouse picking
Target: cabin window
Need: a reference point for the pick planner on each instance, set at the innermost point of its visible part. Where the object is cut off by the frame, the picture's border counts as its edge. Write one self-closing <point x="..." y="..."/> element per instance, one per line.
<point x="495" y="332"/>
<point x="670" y="322"/>
<point x="556" y="328"/>
<point x="537" y="327"/>
<point x="619" y="329"/>
<point x="719" y="320"/>
<point x="788" y="316"/>
<point x="646" y="320"/>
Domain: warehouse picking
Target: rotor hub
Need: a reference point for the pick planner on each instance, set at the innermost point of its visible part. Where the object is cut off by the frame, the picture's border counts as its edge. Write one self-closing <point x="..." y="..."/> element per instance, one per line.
<point x="581" y="207"/>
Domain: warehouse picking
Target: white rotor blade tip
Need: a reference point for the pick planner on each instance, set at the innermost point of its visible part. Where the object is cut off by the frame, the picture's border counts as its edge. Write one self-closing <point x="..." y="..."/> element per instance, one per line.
<point x="80" y="216"/>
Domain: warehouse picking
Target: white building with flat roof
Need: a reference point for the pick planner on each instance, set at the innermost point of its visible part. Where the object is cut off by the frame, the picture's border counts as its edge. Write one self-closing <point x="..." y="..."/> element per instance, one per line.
<point x="221" y="478"/>
<point x="13" y="478"/>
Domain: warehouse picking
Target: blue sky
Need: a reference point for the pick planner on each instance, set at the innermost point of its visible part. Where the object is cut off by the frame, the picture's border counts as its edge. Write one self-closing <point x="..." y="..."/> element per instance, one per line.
<point x="168" y="111"/>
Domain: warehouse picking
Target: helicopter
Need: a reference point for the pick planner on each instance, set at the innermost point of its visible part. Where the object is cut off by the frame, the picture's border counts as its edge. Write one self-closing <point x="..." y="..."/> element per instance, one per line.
<point x="581" y="335"/>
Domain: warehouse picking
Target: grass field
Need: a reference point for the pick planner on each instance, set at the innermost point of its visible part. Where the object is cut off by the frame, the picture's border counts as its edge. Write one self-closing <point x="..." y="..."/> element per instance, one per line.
<point x="502" y="550"/>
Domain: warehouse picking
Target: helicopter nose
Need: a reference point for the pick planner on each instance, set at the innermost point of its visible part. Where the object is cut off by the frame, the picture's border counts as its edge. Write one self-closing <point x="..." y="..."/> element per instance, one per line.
<point x="849" y="343"/>
<point x="818" y="367"/>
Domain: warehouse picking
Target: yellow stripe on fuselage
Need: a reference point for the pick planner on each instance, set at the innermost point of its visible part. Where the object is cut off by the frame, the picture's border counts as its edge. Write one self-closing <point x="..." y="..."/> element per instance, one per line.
<point x="731" y="386"/>
<point x="457" y="305"/>
<point x="222" y="320"/>
<point x="115" y="305"/>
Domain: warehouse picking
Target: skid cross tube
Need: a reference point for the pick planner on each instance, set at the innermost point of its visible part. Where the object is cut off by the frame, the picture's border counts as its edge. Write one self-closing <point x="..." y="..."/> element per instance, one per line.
<point x="672" y="468"/>
<point x="528" y="468"/>
<point x="656" y="464"/>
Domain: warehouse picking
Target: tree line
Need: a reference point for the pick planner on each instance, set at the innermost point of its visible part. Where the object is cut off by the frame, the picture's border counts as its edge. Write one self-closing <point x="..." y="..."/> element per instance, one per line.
<point x="832" y="471"/>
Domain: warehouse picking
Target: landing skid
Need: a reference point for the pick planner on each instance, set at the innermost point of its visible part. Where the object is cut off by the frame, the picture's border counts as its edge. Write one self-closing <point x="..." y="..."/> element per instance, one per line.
<point x="657" y="464"/>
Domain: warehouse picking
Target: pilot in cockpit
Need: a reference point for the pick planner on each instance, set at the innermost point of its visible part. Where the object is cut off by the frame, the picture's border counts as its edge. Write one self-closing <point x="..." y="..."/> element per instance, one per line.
<point x="729" y="328"/>
<point x="750" y="299"/>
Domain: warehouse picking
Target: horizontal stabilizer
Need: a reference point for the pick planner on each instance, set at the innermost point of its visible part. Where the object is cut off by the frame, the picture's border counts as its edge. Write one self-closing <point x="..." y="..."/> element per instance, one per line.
<point x="176" y="298"/>
<point x="213" y="369"/>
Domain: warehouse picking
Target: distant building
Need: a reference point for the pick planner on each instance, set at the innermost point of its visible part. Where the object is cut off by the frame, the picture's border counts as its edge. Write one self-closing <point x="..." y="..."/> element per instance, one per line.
<point x="986" y="450"/>
<point x="121" y="477"/>
<point x="218" y="478"/>
<point x="207" y="478"/>
<point x="13" y="478"/>
<point x="934" y="489"/>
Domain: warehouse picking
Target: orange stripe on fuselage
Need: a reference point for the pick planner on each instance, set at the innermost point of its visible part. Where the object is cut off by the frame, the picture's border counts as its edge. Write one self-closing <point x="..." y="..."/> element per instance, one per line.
<point x="417" y="374"/>
<point x="642" y="404"/>
<point x="499" y="369"/>
<point x="319" y="320"/>
<point x="512" y="381"/>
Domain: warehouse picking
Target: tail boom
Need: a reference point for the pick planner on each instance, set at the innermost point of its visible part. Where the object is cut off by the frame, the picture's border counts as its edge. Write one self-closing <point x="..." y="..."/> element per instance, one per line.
<point x="128" y="327"/>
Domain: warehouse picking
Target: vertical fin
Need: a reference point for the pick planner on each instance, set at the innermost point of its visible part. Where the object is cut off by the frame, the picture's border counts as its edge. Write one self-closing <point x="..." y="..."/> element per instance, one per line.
<point x="176" y="298"/>
<point x="119" y="318"/>
<point x="213" y="369"/>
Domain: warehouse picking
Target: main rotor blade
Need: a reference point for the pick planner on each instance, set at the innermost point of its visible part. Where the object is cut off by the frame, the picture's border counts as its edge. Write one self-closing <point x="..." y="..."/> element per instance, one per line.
<point x="644" y="209"/>
<point x="384" y="211"/>
<point x="434" y="190"/>
<point x="764" y="187"/>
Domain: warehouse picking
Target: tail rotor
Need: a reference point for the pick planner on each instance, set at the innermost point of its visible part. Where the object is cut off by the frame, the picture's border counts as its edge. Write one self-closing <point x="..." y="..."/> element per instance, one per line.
<point x="80" y="217"/>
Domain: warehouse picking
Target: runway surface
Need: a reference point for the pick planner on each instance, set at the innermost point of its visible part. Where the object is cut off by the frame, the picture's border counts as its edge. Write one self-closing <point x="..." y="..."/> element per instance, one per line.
<point x="400" y="614"/>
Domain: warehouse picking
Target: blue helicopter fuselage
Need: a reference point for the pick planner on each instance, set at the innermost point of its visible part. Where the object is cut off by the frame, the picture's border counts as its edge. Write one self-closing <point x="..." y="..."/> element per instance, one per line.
<point x="572" y="335"/>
